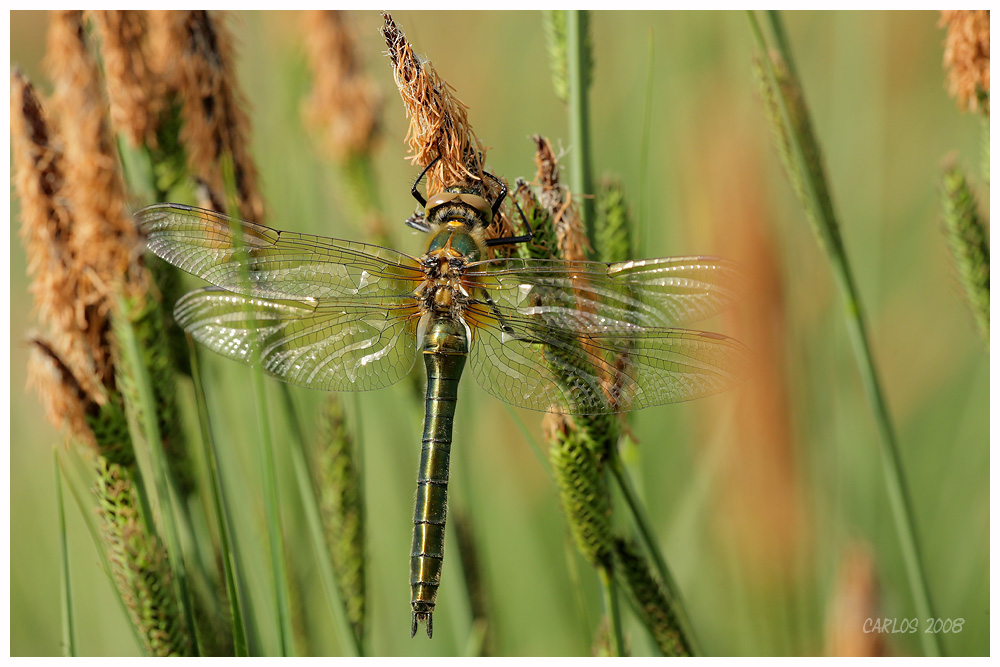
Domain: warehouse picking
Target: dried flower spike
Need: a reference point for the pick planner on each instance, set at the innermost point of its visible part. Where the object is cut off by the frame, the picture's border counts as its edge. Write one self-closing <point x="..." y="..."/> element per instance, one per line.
<point x="557" y="199"/>
<point x="967" y="57"/>
<point x="135" y="90"/>
<point x="345" y="103"/>
<point x="103" y="241"/>
<point x="439" y="126"/>
<point x="195" y="52"/>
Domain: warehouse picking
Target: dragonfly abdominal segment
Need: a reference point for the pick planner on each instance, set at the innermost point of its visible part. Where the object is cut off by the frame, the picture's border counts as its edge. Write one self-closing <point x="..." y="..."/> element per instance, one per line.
<point x="445" y="348"/>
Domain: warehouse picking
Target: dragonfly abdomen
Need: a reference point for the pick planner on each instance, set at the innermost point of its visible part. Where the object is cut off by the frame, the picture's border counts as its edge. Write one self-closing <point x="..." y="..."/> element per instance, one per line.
<point x="445" y="349"/>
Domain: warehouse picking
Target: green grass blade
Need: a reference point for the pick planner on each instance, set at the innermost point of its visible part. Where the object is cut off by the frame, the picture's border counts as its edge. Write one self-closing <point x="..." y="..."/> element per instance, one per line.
<point x="649" y="539"/>
<point x="805" y="166"/>
<point x="68" y="634"/>
<point x="137" y="369"/>
<point x="611" y="608"/>
<point x="641" y="237"/>
<point x="230" y="566"/>
<point x="346" y="638"/>
<point x="268" y="463"/>
<point x="75" y="482"/>
<point x="579" y="67"/>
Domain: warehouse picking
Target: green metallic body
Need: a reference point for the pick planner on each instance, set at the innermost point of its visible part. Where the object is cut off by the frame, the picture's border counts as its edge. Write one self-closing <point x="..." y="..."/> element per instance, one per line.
<point x="445" y="349"/>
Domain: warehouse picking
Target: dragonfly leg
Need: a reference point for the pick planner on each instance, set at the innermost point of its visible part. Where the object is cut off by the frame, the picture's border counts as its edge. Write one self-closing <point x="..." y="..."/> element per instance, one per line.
<point x="413" y="190"/>
<point x="510" y="240"/>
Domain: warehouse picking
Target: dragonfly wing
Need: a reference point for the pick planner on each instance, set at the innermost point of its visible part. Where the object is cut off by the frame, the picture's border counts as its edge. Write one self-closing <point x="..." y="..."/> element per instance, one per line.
<point x="270" y="263"/>
<point x="562" y="359"/>
<point x="663" y="292"/>
<point x="333" y="345"/>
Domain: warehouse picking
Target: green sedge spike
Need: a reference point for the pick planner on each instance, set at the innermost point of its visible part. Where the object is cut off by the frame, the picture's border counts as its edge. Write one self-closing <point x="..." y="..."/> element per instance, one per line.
<point x="338" y="488"/>
<point x="139" y="564"/>
<point x="969" y="243"/>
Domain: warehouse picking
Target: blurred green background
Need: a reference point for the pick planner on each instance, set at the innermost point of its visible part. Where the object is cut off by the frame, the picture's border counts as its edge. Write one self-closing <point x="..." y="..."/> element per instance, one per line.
<point x="768" y="501"/>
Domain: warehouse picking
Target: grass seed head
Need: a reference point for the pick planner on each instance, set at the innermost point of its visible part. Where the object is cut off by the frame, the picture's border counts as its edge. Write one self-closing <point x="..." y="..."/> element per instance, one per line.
<point x="345" y="104"/>
<point x="135" y="90"/>
<point x="967" y="57"/>
<point x="195" y="51"/>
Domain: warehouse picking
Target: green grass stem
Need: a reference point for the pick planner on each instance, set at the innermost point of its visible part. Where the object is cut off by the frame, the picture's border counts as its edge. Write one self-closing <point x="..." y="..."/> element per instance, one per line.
<point x="348" y="640"/>
<point x="641" y="237"/>
<point x="268" y="462"/>
<point x="644" y="526"/>
<point x="68" y="633"/>
<point x="75" y="482"/>
<point x="609" y="589"/>
<point x="805" y="160"/>
<point x="579" y="64"/>
<point x="138" y="370"/>
<point x="230" y="566"/>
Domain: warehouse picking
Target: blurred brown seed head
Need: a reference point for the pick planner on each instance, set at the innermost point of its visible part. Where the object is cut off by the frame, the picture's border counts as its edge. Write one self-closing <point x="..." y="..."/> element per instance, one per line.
<point x="136" y="92"/>
<point x="46" y="225"/>
<point x="39" y="181"/>
<point x="63" y="398"/>
<point x="345" y="103"/>
<point x="103" y="243"/>
<point x="967" y="57"/>
<point x="195" y="51"/>
<point x="855" y="601"/>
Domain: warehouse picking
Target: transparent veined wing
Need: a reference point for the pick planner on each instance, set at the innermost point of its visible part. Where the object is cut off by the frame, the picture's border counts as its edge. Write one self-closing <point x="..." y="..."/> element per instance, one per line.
<point x="588" y="338"/>
<point x="333" y="345"/>
<point x="663" y="292"/>
<point x="271" y="263"/>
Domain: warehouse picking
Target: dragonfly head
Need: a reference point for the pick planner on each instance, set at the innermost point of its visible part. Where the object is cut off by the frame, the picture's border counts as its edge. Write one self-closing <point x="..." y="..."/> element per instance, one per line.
<point x="459" y="204"/>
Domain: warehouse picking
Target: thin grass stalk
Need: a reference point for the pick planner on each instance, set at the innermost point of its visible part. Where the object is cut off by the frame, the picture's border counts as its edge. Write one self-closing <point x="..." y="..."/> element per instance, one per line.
<point x="641" y="237"/>
<point x="579" y="64"/>
<point x="133" y="359"/>
<point x="87" y="511"/>
<point x="645" y="528"/>
<point x="230" y="567"/>
<point x="66" y="599"/>
<point x="268" y="462"/>
<point x="815" y="195"/>
<point x="348" y="640"/>
<point x="609" y="590"/>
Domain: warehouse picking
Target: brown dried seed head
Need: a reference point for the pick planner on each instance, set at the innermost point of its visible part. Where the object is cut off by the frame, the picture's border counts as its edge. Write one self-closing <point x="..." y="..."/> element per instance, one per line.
<point x="46" y="227"/>
<point x="195" y="51"/>
<point x="855" y="603"/>
<point x="39" y="181"/>
<point x="345" y="103"/>
<point x="63" y="398"/>
<point x="103" y="244"/>
<point x="439" y="124"/>
<point x="136" y="91"/>
<point x="557" y="199"/>
<point x="967" y="57"/>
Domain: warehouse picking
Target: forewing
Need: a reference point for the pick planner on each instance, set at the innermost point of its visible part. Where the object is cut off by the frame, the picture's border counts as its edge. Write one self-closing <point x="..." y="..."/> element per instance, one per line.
<point x="346" y="345"/>
<point x="663" y="292"/>
<point x="270" y="263"/>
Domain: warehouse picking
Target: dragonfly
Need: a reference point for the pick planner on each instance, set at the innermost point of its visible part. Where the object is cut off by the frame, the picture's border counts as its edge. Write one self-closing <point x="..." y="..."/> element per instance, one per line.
<point x="577" y="337"/>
